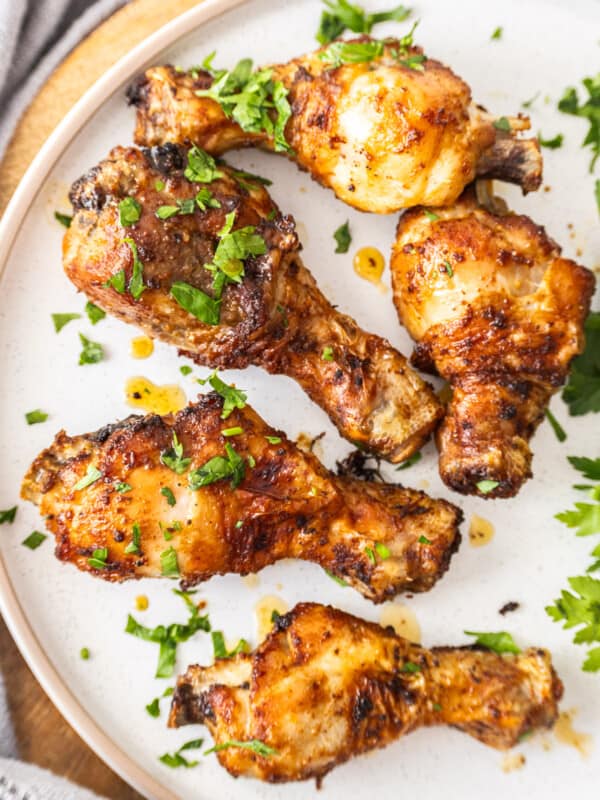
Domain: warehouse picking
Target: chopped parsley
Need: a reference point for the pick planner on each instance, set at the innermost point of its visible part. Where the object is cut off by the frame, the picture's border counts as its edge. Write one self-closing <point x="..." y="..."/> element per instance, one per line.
<point x="173" y="457"/>
<point x="589" y="110"/>
<point x="233" y="248"/>
<point x="531" y="101"/>
<point x="232" y="397"/>
<point x="430" y="215"/>
<point x="84" y="653"/>
<point x="91" y="353"/>
<point x="36" y="416"/>
<point x="249" y="181"/>
<point x="501" y="642"/>
<point x="99" y="558"/>
<point x="159" y="185"/>
<point x="166" y="492"/>
<point x="502" y="124"/>
<point x="134" y="545"/>
<point x="8" y="515"/>
<point x="410" y="667"/>
<point x="117" y="281"/>
<point x="556" y="426"/>
<point x="552" y="144"/>
<point x="382" y="550"/>
<point x="589" y="467"/>
<point x="258" y="747"/>
<point x="327" y="354"/>
<point x="236" y="431"/>
<point x="423" y="540"/>
<point x="91" y="476"/>
<point x="273" y="439"/>
<point x="408" y="462"/>
<point x="204" y="199"/>
<point x="338" y="53"/>
<point x="220" y="649"/>
<point x="64" y="219"/>
<point x="175" y="759"/>
<point x="370" y="555"/>
<point x="343" y="238"/>
<point x="201" y="167"/>
<point x="185" y="369"/>
<point x="94" y="313"/>
<point x="123" y="487"/>
<point x="487" y="486"/>
<point x="342" y="15"/>
<point x="153" y="707"/>
<point x="254" y="100"/>
<point x="168" y="563"/>
<point x="169" y="636"/>
<point x="339" y="581"/>
<point x="130" y="211"/>
<point x="60" y="320"/>
<point x="497" y="34"/>
<point x="34" y="540"/>
<point x="582" y="392"/>
<point x="197" y="302"/>
<point x="232" y="465"/>
<point x="136" y="282"/>
<point x="448" y="268"/>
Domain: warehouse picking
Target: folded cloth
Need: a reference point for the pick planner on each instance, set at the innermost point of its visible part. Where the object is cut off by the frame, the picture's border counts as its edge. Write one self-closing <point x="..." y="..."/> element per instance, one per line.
<point x="35" y="35"/>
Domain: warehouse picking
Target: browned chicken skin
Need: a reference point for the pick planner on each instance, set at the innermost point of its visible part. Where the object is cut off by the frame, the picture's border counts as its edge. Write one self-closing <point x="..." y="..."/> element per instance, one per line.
<point x="325" y="686"/>
<point x="275" y="317"/>
<point x="499" y="314"/>
<point x="287" y="505"/>
<point x="383" y="136"/>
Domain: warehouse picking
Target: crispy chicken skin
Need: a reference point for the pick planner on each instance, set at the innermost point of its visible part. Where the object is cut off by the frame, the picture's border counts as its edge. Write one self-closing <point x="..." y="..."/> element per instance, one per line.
<point x="499" y="314"/>
<point x="287" y="506"/>
<point x="325" y="686"/>
<point x="276" y="317"/>
<point x="381" y="135"/>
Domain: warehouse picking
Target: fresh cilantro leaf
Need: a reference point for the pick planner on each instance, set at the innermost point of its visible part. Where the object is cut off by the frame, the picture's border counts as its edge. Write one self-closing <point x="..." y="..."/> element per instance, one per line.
<point x="343" y="238"/>
<point x="99" y="558"/>
<point x="60" y="320"/>
<point x="94" y="313"/>
<point x="205" y="199"/>
<point x="589" y="467"/>
<point x="168" y="563"/>
<point x="592" y="662"/>
<point x="159" y="185"/>
<point x="497" y="34"/>
<point x="130" y="211"/>
<point x="64" y="219"/>
<point x="585" y="517"/>
<point x="166" y="492"/>
<point x="166" y="212"/>
<point x="556" y="426"/>
<point x="448" y="268"/>
<point x="197" y="303"/>
<point x="185" y="369"/>
<point x="34" y="540"/>
<point x="582" y="392"/>
<point x="342" y="15"/>
<point x="258" y="747"/>
<point x="424" y="540"/>
<point x="502" y="124"/>
<point x="201" y="167"/>
<point x="233" y="248"/>
<point x="8" y="515"/>
<point x="232" y="397"/>
<point x="35" y="417"/>
<point x="597" y="194"/>
<point x="218" y="468"/>
<point x="551" y="144"/>
<point x="338" y="53"/>
<point x="531" y="101"/>
<point x="173" y="458"/>
<point x="136" y="282"/>
<point x="408" y="462"/>
<point x="589" y="110"/>
<point x="91" y="476"/>
<point x="501" y="642"/>
<point x="117" y="282"/>
<point x="153" y="708"/>
<point x="91" y="353"/>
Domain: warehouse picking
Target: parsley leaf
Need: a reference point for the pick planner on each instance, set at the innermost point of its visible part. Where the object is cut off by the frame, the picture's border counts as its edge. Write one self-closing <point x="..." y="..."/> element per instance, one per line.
<point x="34" y="540"/>
<point x="64" y="219"/>
<point x="123" y="487"/>
<point x="590" y="110"/>
<point x="35" y="417"/>
<point x="338" y="53"/>
<point x="589" y="467"/>
<point x="232" y="397"/>
<point x="60" y="320"/>
<point x="556" y="426"/>
<point x="502" y="124"/>
<point x="94" y="313"/>
<point x="201" y="167"/>
<point x="218" y="468"/>
<point x="220" y="650"/>
<point x="501" y="642"/>
<point x="173" y="458"/>
<point x="91" y="476"/>
<point x="134" y="545"/>
<point x="249" y="181"/>
<point x="8" y="515"/>
<point x="176" y="759"/>
<point x="551" y="144"/>
<point x="227" y="265"/>
<point x="197" y="302"/>
<point x="585" y="517"/>
<point x="487" y="486"/>
<point x="342" y="15"/>
<point x="168" y="563"/>
<point x="117" y="281"/>
<point x="497" y="34"/>
<point x="343" y="238"/>
<point x="327" y="354"/>
<point x="166" y="492"/>
<point x="258" y="747"/>
<point x="99" y="558"/>
<point x="136" y="282"/>
<point x="582" y="392"/>
<point x="408" y="462"/>
<point x="91" y="353"/>
<point x="339" y="581"/>
<point x="129" y="211"/>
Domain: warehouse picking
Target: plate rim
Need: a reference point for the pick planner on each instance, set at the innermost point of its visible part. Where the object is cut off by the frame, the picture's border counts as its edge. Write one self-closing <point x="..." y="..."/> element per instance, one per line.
<point x="11" y="609"/>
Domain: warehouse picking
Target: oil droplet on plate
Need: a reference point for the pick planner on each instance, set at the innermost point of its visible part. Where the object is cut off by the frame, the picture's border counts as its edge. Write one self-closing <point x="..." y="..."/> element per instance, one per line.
<point x="251" y="581"/>
<point x="142" y="393"/>
<point x="141" y="347"/>
<point x="481" y="531"/>
<point x="566" y="734"/>
<point x="512" y="762"/>
<point x="264" y="612"/>
<point x="403" y="620"/>
<point x="369" y="263"/>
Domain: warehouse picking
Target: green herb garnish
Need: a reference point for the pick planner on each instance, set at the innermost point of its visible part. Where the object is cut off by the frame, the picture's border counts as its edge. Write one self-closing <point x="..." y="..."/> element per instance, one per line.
<point x="235" y="431"/>
<point x="175" y="760"/>
<point x="201" y="167"/>
<point x="339" y="581"/>
<point x="185" y="370"/>
<point x="258" y="747"/>
<point x="220" y="649"/>
<point x="342" y="15"/>
<point x="590" y="110"/>
<point x="219" y="468"/>
<point x="556" y="426"/>
<point x="130" y="211"/>
<point x="408" y="462"/>
<point x="84" y="653"/>
<point x="273" y="439"/>
<point x="382" y="550"/>
<point x="8" y="515"/>
<point x="430" y="215"/>
<point x="338" y="53"/>
<point x="99" y="558"/>
<point x="448" y="268"/>
<point x="166" y="492"/>
<point x="64" y="219"/>
<point x="502" y="124"/>
<point x="232" y="397"/>
<point x="370" y="553"/>
<point x="173" y="457"/>
<point x="123" y="487"/>
<point x="91" y="353"/>
<point x="487" y="486"/>
<point x="552" y="144"/>
<point x="424" y="540"/>
<point x="134" y="545"/>
<point x="343" y="238"/>
<point x="410" y="667"/>
<point x="34" y="540"/>
<point x="36" y="416"/>
<point x="60" y="320"/>
<point x="94" y="313"/>
<point x="497" y="34"/>
<point x="249" y="181"/>
<point x="327" y="354"/>
<point x="233" y="248"/>
<point x="91" y="476"/>
<point x="117" y="282"/>
<point x="582" y="392"/>
<point x="168" y="563"/>
<point x="501" y="642"/>
<point x="136" y="283"/>
<point x="197" y="303"/>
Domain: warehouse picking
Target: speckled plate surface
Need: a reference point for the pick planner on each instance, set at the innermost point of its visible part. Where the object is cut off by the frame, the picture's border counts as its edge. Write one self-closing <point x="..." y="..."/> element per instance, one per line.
<point x="53" y="611"/>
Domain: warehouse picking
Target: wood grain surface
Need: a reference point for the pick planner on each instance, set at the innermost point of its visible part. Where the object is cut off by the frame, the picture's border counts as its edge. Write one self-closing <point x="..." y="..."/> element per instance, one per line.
<point x="43" y="736"/>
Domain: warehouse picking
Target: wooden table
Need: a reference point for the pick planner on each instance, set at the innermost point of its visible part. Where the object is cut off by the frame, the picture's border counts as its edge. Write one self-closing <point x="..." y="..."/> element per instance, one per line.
<point x="43" y="736"/>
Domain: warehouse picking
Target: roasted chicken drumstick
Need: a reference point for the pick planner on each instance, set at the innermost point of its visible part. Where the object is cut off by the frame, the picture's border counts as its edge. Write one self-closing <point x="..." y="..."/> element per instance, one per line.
<point x="499" y="314"/>
<point x="197" y="254"/>
<point x="325" y="686"/>
<point x="175" y="496"/>
<point x="384" y="135"/>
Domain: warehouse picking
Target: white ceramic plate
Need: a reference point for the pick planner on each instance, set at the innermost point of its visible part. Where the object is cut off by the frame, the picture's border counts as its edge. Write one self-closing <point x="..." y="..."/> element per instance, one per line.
<point x="53" y="610"/>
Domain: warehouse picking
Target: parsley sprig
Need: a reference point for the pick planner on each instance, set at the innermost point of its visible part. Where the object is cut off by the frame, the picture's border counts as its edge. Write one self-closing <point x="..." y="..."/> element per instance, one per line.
<point x="589" y="110"/>
<point x="580" y="607"/>
<point x="254" y="100"/>
<point x="231" y="465"/>
<point x="173" y="457"/>
<point x="342" y="15"/>
<point x="232" y="397"/>
<point x="582" y="392"/>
